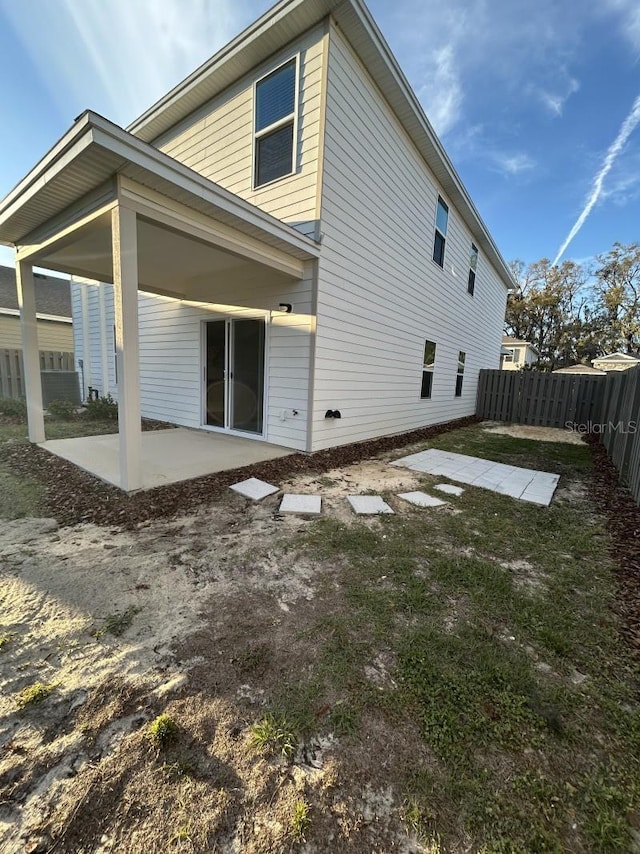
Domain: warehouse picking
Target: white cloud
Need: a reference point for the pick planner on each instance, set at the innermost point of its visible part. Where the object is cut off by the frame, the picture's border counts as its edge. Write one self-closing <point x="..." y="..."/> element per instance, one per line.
<point x="555" y="101"/>
<point x="629" y="14"/>
<point x="513" y="164"/>
<point x="442" y="96"/>
<point x="628" y="126"/>
<point x="118" y="57"/>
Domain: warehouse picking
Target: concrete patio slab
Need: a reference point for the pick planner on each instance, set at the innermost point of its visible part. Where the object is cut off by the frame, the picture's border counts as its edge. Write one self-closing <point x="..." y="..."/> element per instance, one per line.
<point x="305" y="504"/>
<point x="368" y="505"/>
<point x="421" y="499"/>
<point x="449" y="489"/>
<point x="525" y="484"/>
<point x="168" y="456"/>
<point x="254" y="488"/>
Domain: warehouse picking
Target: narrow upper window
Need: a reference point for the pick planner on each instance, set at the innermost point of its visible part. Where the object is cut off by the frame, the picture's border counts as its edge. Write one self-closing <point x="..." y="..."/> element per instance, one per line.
<point x="275" y="124"/>
<point x="428" y="366"/>
<point x="473" y="265"/>
<point x="442" y="218"/>
<point x="461" y="359"/>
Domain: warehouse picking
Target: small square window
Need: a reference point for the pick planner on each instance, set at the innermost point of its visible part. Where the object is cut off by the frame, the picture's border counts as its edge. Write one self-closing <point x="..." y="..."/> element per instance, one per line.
<point x="428" y="367"/>
<point x="440" y="237"/>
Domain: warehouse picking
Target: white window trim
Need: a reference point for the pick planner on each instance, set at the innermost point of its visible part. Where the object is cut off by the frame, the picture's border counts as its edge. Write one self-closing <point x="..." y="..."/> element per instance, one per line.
<point x="256" y="135"/>
<point x="475" y="255"/>
<point x="440" y="198"/>
<point x="429" y="370"/>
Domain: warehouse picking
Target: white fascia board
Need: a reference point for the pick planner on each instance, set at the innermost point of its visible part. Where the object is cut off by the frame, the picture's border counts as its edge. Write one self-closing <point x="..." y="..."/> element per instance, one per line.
<point x="144" y="155"/>
<point x="71" y="144"/>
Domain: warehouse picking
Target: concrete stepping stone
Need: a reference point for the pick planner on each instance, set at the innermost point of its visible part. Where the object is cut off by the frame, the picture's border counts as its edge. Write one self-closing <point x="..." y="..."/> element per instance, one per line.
<point x="449" y="489"/>
<point x="421" y="499"/>
<point x="368" y="505"/>
<point x="308" y="504"/>
<point x="254" y="488"/>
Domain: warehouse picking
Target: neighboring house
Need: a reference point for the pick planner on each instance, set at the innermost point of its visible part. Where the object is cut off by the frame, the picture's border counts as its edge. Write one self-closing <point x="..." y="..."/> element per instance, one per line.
<point x="616" y="362"/>
<point x="581" y="370"/>
<point x="53" y="307"/>
<point x="311" y="269"/>
<point x="515" y="354"/>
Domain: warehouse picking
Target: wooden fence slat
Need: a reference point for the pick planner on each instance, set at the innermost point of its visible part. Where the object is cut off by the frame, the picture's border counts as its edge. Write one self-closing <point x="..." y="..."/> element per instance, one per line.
<point x="12" y="372"/>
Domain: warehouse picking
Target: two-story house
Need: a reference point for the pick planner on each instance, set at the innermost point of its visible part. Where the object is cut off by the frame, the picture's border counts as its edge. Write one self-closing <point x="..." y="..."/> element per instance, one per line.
<point x="516" y="354"/>
<point x="279" y="248"/>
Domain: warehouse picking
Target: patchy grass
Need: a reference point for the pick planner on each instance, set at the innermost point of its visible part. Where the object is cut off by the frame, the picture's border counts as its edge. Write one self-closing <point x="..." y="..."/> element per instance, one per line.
<point x="19" y="496"/>
<point x="5" y="639"/>
<point x="162" y="732"/>
<point x="455" y="676"/>
<point x="118" y="623"/>
<point x="300" y="820"/>
<point x="34" y="694"/>
<point x="274" y="735"/>
<point x="511" y="676"/>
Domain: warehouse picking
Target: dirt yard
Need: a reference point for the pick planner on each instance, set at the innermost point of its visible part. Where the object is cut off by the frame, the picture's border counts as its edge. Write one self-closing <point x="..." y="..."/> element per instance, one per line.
<point x="441" y="680"/>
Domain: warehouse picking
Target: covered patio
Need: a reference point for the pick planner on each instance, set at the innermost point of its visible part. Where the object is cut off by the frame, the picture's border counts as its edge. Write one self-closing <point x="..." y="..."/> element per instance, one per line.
<point x="106" y="206"/>
<point x="166" y="456"/>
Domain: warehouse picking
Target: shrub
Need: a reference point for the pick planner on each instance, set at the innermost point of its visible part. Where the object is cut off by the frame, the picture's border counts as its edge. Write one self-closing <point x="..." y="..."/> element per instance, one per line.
<point x="13" y="408"/>
<point x="102" y="409"/>
<point x="62" y="410"/>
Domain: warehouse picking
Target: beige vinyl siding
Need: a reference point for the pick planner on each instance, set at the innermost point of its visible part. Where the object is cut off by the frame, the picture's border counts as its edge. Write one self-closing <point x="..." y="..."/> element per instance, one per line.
<point x="380" y="294"/>
<point x="171" y="368"/>
<point x="217" y="139"/>
<point x="52" y="335"/>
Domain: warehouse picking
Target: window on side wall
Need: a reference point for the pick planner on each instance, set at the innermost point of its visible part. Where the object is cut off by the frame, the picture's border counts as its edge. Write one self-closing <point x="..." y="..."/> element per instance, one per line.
<point x="473" y="265"/>
<point x="461" y="359"/>
<point x="428" y="366"/>
<point x="440" y="239"/>
<point x="274" y="128"/>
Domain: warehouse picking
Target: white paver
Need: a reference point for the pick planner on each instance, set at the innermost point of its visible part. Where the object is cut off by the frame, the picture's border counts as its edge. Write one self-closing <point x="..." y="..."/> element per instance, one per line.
<point x="526" y="484"/>
<point x="449" y="489"/>
<point x="421" y="499"/>
<point x="254" y="488"/>
<point x="311" y="504"/>
<point x="368" y="505"/>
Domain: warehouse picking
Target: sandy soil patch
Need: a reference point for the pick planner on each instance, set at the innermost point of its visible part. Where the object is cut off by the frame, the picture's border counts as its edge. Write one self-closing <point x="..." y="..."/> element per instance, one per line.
<point x="537" y="434"/>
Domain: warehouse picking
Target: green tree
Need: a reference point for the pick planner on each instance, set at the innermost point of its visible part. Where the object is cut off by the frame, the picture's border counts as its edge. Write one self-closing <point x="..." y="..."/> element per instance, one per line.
<point x="617" y="298"/>
<point x="551" y="310"/>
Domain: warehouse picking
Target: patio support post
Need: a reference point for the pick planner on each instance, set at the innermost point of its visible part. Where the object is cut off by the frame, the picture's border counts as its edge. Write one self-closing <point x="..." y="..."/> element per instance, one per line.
<point x="125" y="290"/>
<point x="30" y="351"/>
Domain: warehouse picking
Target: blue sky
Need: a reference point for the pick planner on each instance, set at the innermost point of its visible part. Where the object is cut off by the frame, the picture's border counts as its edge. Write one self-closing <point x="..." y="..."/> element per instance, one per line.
<point x="537" y="102"/>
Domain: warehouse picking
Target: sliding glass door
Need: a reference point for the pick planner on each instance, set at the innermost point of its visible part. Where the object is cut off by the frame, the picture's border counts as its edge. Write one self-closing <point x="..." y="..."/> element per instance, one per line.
<point x="234" y="374"/>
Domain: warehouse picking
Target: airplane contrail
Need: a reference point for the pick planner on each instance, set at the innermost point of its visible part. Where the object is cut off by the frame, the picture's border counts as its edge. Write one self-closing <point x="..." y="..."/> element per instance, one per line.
<point x="626" y="129"/>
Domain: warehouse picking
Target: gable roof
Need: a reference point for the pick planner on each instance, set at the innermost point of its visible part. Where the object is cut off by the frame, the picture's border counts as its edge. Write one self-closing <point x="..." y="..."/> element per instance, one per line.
<point x="53" y="295"/>
<point x="617" y="357"/>
<point x="507" y="341"/>
<point x="284" y="22"/>
<point x="580" y="369"/>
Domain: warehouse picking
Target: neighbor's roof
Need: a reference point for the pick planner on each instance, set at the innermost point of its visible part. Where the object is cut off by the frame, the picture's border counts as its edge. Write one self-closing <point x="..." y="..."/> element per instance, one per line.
<point x="507" y="341"/>
<point x="53" y="295"/>
<point x="281" y="24"/>
<point x="617" y="357"/>
<point x="580" y="369"/>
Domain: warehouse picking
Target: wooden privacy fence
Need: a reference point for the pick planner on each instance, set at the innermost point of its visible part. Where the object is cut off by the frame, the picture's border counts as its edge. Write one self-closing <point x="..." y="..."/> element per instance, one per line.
<point x="533" y="397"/>
<point x="607" y="405"/>
<point x="12" y="372"/>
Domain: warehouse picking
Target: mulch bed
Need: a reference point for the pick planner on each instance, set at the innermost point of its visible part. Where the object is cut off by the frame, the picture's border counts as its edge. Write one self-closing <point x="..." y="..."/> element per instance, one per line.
<point x="615" y="503"/>
<point x="73" y="496"/>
